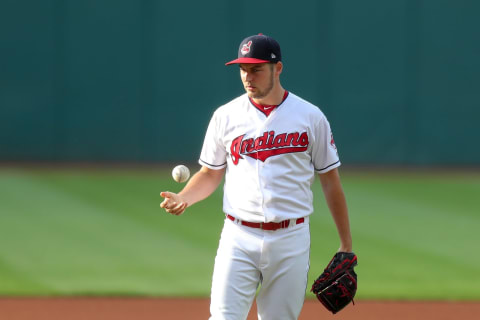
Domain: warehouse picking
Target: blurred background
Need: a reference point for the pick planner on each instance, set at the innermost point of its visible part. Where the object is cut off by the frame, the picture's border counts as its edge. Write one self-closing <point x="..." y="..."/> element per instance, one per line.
<point x="136" y="82"/>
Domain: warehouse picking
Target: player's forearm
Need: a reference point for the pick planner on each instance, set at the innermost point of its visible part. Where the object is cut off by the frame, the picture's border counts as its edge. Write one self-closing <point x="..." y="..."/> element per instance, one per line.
<point x="337" y="204"/>
<point x="201" y="185"/>
<point x="339" y="211"/>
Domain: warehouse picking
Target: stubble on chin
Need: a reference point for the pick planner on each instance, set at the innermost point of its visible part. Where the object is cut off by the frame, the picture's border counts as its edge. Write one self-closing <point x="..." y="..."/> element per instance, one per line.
<point x="261" y="94"/>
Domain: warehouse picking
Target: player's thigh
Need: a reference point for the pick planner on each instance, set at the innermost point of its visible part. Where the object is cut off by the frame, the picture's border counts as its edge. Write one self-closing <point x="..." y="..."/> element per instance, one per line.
<point x="282" y="292"/>
<point x="235" y="276"/>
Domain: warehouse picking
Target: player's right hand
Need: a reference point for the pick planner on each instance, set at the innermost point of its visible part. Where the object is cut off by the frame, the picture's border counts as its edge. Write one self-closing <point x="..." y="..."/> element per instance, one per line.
<point x="173" y="203"/>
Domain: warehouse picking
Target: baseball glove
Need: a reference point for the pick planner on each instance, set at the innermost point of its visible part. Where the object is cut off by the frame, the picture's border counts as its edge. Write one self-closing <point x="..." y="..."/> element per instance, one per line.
<point x="337" y="285"/>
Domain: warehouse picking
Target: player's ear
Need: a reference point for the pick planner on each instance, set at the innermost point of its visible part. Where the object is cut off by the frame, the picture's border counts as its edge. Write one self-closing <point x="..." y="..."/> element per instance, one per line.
<point x="278" y="68"/>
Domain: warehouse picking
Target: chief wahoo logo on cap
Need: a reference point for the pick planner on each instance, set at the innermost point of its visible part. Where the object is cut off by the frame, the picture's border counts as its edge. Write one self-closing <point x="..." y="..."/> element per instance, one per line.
<point x="246" y="47"/>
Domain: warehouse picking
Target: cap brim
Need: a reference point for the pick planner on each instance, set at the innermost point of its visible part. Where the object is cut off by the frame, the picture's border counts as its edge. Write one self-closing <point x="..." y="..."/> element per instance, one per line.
<point x="246" y="60"/>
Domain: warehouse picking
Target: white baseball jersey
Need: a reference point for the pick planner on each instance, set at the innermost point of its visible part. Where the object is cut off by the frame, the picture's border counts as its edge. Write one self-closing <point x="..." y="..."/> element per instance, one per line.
<point x="271" y="161"/>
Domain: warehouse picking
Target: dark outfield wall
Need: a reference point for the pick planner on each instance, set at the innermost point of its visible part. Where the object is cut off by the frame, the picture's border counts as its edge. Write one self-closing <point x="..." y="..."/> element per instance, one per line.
<point x="130" y="80"/>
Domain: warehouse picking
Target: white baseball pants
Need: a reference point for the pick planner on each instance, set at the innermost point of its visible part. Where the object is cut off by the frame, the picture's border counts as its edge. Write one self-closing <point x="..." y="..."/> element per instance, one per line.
<point x="277" y="260"/>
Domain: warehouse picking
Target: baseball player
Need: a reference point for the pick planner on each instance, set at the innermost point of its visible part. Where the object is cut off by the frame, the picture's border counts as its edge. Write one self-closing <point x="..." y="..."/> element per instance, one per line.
<point x="269" y="144"/>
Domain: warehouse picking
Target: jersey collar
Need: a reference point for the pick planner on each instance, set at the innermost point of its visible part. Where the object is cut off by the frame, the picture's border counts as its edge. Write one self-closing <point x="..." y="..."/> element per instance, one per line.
<point x="267" y="109"/>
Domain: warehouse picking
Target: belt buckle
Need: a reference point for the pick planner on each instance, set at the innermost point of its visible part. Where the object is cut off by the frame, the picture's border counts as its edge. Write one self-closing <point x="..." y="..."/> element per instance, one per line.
<point x="261" y="225"/>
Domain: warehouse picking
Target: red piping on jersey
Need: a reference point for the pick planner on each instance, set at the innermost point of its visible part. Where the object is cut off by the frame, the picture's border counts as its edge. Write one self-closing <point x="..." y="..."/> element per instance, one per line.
<point x="265" y="108"/>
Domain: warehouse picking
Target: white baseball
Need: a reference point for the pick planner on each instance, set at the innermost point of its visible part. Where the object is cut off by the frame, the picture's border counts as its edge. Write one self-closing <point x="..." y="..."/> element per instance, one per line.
<point x="180" y="173"/>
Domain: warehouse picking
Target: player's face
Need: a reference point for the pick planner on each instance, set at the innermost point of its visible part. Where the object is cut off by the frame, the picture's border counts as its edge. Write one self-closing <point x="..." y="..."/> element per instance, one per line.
<point x="258" y="79"/>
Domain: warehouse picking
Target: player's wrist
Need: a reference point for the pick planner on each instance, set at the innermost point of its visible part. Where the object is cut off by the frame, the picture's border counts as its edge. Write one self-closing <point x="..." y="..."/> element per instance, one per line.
<point x="345" y="248"/>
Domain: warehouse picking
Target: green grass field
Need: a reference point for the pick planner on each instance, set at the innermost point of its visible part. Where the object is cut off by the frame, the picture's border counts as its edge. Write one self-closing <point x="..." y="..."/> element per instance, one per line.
<point x="101" y="232"/>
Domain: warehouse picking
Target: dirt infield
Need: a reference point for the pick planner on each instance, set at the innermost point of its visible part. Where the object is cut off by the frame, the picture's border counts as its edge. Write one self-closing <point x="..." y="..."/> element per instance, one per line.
<point x="173" y="309"/>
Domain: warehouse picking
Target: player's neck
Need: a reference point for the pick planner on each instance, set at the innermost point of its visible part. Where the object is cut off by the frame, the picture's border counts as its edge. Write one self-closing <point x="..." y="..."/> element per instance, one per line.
<point x="274" y="98"/>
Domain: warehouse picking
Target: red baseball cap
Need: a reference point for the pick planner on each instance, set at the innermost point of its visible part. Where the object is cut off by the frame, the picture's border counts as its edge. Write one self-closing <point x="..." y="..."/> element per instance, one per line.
<point x="258" y="49"/>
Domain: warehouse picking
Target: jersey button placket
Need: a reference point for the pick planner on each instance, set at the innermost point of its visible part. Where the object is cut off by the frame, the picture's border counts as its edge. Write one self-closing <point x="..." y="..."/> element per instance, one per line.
<point x="259" y="166"/>
<point x="264" y="166"/>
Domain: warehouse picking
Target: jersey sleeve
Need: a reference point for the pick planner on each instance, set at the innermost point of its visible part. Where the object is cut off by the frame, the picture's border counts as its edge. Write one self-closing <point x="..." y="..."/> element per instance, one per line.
<point x="214" y="154"/>
<point x="324" y="152"/>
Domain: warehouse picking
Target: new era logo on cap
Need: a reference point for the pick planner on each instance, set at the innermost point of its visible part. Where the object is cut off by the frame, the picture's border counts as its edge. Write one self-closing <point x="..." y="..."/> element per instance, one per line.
<point x="258" y="49"/>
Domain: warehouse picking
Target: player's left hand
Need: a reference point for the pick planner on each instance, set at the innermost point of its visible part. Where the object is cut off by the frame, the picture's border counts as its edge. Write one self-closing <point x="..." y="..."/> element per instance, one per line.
<point x="173" y="203"/>
<point x="337" y="285"/>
